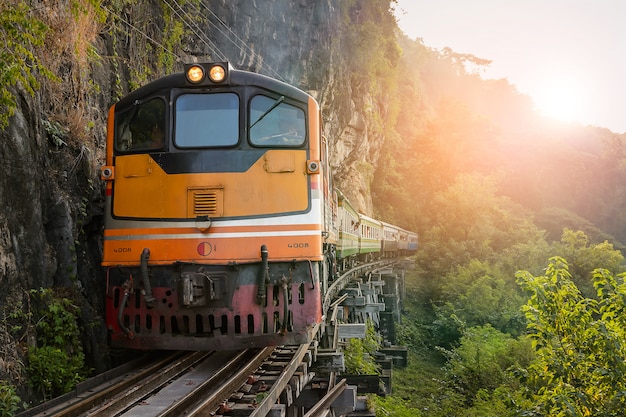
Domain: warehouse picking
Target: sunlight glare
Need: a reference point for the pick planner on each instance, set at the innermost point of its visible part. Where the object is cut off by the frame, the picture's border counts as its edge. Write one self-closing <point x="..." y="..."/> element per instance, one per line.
<point x="561" y="98"/>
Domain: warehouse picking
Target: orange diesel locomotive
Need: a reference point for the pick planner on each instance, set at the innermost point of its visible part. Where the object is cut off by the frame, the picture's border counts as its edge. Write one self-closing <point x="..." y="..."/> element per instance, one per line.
<point x="216" y="199"/>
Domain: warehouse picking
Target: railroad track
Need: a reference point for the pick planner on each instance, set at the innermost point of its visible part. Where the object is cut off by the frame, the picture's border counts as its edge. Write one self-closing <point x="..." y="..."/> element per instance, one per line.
<point x="190" y="384"/>
<point x="246" y="383"/>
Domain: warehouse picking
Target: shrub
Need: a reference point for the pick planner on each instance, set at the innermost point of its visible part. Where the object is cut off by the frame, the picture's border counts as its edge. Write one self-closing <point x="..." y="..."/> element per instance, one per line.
<point x="56" y="365"/>
<point x="57" y="325"/>
<point x="53" y="372"/>
<point x="483" y="359"/>
<point x="580" y="343"/>
<point x="359" y="353"/>
<point x="392" y="407"/>
<point x="9" y="400"/>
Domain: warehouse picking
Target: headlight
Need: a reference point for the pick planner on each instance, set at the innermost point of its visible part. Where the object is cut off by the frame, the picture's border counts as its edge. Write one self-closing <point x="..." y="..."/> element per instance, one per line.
<point x="195" y="74"/>
<point x="217" y="73"/>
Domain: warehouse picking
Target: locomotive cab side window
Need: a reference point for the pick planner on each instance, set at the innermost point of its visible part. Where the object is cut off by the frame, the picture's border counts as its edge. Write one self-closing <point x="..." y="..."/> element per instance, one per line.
<point x="276" y="123"/>
<point x="206" y="120"/>
<point x="141" y="127"/>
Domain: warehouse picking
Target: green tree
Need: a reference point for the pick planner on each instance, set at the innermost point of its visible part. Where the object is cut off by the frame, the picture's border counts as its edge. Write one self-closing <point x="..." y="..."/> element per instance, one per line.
<point x="470" y="221"/>
<point x="483" y="359"/>
<point x="476" y="294"/>
<point x="580" y="343"/>
<point x="584" y="257"/>
<point x="554" y="220"/>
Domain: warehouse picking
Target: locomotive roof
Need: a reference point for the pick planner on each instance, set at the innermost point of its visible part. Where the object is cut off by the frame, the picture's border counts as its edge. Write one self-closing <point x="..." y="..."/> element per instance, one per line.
<point x="236" y="78"/>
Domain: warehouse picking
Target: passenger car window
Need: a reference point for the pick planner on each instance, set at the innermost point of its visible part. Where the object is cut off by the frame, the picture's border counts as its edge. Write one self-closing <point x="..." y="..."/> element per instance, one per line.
<point x="276" y="123"/>
<point x="207" y="120"/>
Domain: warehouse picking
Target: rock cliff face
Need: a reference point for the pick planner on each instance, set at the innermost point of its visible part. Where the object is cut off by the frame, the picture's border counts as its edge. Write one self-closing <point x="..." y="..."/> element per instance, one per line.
<point x="50" y="193"/>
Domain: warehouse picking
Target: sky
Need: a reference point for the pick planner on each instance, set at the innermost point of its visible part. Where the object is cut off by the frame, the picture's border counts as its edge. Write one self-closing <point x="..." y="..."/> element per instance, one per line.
<point x="569" y="56"/>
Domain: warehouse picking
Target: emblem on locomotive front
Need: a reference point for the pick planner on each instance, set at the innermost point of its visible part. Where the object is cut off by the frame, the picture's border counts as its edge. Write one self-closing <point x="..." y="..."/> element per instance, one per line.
<point x="204" y="249"/>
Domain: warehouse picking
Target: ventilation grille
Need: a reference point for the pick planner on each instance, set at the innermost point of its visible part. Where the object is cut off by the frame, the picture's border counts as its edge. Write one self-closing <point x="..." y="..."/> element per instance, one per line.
<point x="205" y="202"/>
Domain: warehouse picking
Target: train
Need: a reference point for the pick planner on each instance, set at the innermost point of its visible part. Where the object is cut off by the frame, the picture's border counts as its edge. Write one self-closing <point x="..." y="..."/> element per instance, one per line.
<point x="222" y="226"/>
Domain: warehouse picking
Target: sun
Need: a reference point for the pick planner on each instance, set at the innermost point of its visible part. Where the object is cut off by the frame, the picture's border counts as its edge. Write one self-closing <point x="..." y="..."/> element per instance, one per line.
<point x="561" y="98"/>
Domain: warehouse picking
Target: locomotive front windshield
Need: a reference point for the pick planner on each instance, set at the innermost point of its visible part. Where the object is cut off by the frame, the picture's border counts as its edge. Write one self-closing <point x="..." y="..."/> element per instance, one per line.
<point x="203" y="120"/>
<point x="208" y="120"/>
<point x="276" y="123"/>
<point x="141" y="127"/>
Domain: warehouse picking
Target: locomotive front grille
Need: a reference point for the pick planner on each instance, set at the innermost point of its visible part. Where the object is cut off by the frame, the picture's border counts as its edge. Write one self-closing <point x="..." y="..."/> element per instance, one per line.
<point x="205" y="202"/>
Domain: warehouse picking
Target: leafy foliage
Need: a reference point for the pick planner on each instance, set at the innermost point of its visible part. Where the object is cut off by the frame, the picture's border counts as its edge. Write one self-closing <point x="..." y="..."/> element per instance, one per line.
<point x="57" y="324"/>
<point x="20" y="34"/>
<point x="470" y="221"/>
<point x="474" y="313"/>
<point x="53" y="371"/>
<point x="371" y="41"/>
<point x="392" y="407"/>
<point x="56" y="365"/>
<point x="584" y="257"/>
<point x="359" y="353"/>
<point x="580" y="343"/>
<point x="483" y="359"/>
<point x="476" y="295"/>
<point x="9" y="400"/>
<point x="425" y="388"/>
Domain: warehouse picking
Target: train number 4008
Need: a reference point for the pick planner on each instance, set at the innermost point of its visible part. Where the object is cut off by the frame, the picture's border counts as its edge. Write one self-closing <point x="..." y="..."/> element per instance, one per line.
<point x="298" y="245"/>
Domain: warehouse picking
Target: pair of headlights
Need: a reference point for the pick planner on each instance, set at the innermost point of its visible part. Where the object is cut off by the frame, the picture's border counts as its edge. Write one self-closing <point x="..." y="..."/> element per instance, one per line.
<point x="196" y="73"/>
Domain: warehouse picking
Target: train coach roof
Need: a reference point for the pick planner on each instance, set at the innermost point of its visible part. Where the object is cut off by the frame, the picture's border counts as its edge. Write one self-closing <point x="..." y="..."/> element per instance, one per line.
<point x="236" y="78"/>
<point x="390" y="226"/>
<point x="370" y="219"/>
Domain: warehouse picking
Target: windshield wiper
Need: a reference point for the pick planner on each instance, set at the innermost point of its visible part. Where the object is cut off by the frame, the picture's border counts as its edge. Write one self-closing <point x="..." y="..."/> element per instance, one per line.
<point x="276" y="104"/>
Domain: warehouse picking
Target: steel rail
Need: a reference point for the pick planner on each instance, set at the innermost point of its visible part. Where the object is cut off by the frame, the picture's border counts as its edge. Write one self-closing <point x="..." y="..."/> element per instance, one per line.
<point x="321" y="408"/>
<point x="130" y="391"/>
<point x="277" y="388"/>
<point x="83" y="401"/>
<point x="201" y="400"/>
